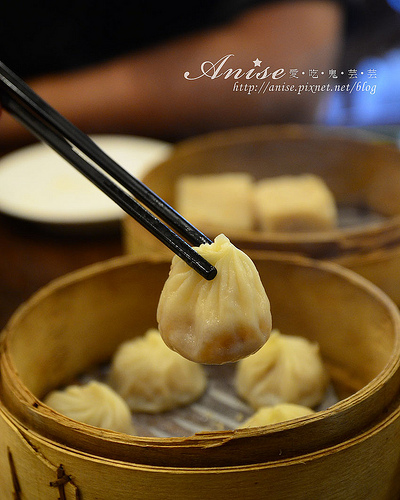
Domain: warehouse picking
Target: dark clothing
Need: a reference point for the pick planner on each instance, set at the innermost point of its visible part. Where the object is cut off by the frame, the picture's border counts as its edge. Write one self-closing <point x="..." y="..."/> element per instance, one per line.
<point x="50" y="36"/>
<point x="39" y="37"/>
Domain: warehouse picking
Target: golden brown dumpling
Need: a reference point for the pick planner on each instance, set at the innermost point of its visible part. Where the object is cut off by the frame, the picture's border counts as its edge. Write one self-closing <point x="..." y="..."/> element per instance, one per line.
<point x="267" y="415"/>
<point x="215" y="321"/>
<point x="151" y="378"/>
<point x="93" y="403"/>
<point x="294" y="203"/>
<point x="288" y="369"/>
<point x="217" y="202"/>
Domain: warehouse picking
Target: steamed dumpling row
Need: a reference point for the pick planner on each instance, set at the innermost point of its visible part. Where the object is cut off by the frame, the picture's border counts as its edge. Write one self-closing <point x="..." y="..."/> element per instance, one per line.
<point x="234" y="201"/>
<point x="282" y="381"/>
<point x="145" y="376"/>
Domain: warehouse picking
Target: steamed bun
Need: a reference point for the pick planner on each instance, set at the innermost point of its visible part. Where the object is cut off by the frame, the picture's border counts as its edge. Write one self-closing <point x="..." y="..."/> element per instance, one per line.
<point x="288" y="369"/>
<point x="151" y="378"/>
<point x="95" y="404"/>
<point x="215" y="321"/>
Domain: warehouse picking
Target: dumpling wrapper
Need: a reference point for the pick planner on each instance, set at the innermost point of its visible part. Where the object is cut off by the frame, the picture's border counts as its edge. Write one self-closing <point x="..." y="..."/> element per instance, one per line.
<point x="288" y="369"/>
<point x="217" y="321"/>
<point x="94" y="403"/>
<point x="268" y="415"/>
<point x="151" y="378"/>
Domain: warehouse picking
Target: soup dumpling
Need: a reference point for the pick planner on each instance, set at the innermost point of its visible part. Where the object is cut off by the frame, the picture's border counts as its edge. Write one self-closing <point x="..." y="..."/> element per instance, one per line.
<point x="151" y="378"/>
<point x="288" y="369"/>
<point x="267" y="415"/>
<point x="215" y="321"/>
<point x="94" y="403"/>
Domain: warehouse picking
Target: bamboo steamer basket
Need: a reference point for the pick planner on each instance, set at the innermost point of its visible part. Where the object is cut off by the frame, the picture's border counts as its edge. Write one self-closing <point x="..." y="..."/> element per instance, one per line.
<point x="361" y="169"/>
<point x="349" y="450"/>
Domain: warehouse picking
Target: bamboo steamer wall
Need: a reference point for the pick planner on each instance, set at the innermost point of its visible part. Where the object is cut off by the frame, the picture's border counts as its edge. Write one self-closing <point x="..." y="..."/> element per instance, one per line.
<point x="350" y="450"/>
<point x="361" y="171"/>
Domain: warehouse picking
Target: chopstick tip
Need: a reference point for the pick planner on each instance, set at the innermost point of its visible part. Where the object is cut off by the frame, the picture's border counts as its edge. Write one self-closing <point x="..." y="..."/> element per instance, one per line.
<point x="211" y="274"/>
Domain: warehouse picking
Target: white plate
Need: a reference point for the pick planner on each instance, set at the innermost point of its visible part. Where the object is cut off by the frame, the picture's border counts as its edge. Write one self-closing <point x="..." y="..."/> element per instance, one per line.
<point x="36" y="184"/>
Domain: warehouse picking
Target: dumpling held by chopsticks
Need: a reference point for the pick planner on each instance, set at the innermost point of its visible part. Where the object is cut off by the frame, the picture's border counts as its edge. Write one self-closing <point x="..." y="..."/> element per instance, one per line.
<point x="217" y="321"/>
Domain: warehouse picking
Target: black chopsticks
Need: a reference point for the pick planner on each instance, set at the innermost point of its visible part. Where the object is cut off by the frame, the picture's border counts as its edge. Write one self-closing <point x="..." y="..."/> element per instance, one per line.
<point x="82" y="153"/>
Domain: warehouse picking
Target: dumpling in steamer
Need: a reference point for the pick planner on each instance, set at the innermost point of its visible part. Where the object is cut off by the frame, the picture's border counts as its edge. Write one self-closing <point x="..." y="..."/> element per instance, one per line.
<point x="151" y="378"/>
<point x="268" y="415"/>
<point x="288" y="369"/>
<point x="94" y="404"/>
<point x="217" y="202"/>
<point x="294" y="203"/>
<point x="215" y="321"/>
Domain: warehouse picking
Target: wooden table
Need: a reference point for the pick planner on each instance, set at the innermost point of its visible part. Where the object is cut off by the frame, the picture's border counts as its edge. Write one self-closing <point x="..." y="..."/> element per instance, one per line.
<point x="32" y="255"/>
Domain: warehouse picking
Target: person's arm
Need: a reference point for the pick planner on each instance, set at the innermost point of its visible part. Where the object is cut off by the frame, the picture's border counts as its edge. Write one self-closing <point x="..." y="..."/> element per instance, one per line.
<point x="145" y="93"/>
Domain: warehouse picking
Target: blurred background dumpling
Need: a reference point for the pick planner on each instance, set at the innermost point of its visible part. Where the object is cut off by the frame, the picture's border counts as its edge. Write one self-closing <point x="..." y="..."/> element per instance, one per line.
<point x="294" y="203"/>
<point x="217" y="202"/>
